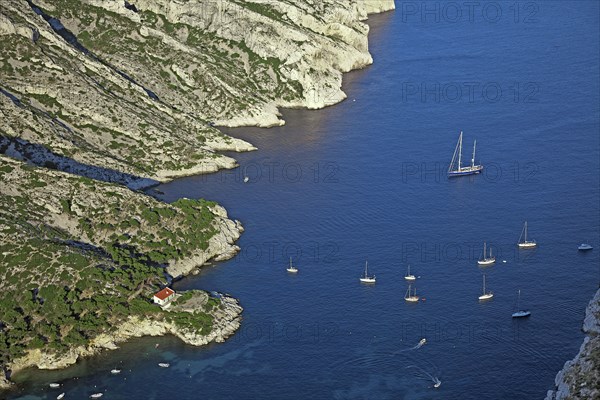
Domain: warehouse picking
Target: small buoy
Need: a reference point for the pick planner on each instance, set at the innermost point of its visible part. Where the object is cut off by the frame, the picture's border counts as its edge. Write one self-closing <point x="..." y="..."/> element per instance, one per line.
<point x="504" y="261"/>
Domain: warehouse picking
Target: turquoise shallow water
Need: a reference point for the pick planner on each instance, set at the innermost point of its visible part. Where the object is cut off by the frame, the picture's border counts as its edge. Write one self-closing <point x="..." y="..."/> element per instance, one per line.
<point x="365" y="179"/>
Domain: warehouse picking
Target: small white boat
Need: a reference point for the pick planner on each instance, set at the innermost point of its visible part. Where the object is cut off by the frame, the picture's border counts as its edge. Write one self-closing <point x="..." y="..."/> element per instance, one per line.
<point x="409" y="276"/>
<point x="520" y="313"/>
<point x="422" y="342"/>
<point x="526" y="244"/>
<point x="584" y="247"/>
<point x="291" y="268"/>
<point x="486" y="260"/>
<point x="115" y="371"/>
<point x="246" y="179"/>
<point x="411" y="298"/>
<point x="60" y="396"/>
<point x="366" y="278"/>
<point x="54" y="385"/>
<point x="437" y="383"/>
<point x="96" y="395"/>
<point x="485" y="295"/>
<point x="164" y="365"/>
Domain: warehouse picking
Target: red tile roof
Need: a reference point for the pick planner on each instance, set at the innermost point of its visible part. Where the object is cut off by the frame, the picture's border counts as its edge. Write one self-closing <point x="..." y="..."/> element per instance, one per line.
<point x="163" y="294"/>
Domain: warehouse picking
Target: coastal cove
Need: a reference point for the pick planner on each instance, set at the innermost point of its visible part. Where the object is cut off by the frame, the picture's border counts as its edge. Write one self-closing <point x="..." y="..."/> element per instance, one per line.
<point x="365" y="179"/>
<point x="138" y="215"/>
<point x="367" y="191"/>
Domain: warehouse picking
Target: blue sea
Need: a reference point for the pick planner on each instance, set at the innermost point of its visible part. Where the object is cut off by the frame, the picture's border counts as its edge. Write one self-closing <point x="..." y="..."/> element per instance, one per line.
<point x="366" y="180"/>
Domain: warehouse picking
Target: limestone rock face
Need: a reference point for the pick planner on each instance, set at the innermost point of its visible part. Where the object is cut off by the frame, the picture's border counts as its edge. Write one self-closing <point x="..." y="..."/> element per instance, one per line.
<point x="4" y="383"/>
<point x="221" y="246"/>
<point x="138" y="92"/>
<point x="580" y="377"/>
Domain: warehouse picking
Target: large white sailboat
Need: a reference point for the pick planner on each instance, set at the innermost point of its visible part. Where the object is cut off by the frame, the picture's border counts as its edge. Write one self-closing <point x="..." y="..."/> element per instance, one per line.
<point x="525" y="244"/>
<point x="485" y="295"/>
<point x="485" y="260"/>
<point x="456" y="168"/>
<point x="366" y="278"/>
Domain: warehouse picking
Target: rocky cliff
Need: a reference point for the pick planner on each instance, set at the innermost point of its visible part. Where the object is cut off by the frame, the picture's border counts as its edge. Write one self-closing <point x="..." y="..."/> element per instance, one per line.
<point x="580" y="377"/>
<point x="136" y="86"/>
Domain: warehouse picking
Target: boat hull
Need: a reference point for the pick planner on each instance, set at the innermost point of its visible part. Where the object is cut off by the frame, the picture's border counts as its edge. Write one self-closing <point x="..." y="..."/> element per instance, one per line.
<point x="292" y="270"/>
<point x="527" y="245"/>
<point x="466" y="171"/>
<point x="486" y="296"/>
<point x="487" y="261"/>
<point x="410" y="278"/>
<point x="585" y="247"/>
<point x="521" y="314"/>
<point x="412" y="299"/>
<point x="367" y="280"/>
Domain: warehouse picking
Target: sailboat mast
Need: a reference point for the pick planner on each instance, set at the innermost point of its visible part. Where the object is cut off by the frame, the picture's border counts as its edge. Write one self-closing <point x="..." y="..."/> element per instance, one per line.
<point x="473" y="159"/>
<point x="459" y="149"/>
<point x="484" y="284"/>
<point x="525" y="231"/>
<point x="484" y="251"/>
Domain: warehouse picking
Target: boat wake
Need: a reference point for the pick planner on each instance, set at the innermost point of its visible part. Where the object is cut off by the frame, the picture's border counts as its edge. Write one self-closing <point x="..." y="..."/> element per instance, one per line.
<point x="422" y="374"/>
<point x="415" y="347"/>
<point x="378" y="358"/>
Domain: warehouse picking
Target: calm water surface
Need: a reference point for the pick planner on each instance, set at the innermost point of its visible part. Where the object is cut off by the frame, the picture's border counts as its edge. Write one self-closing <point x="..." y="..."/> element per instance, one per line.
<point x="366" y="180"/>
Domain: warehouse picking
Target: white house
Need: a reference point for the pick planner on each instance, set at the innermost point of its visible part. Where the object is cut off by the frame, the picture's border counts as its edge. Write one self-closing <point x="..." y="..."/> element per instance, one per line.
<point x="164" y="296"/>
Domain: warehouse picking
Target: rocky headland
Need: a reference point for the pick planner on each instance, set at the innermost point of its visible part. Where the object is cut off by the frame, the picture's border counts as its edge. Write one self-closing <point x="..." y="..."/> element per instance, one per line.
<point x="100" y="98"/>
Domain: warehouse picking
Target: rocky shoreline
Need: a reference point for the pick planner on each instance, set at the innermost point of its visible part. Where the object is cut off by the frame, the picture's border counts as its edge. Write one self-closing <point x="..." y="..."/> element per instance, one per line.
<point x="226" y="322"/>
<point x="580" y="377"/>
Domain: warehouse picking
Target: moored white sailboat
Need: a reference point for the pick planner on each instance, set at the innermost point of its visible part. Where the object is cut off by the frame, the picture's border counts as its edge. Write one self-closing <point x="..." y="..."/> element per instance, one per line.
<point x="456" y="168"/>
<point x="291" y="268"/>
<point x="525" y="244"/>
<point x="366" y="278"/>
<point x="412" y="298"/>
<point x="486" y="260"/>
<point x="409" y="276"/>
<point x="485" y="295"/>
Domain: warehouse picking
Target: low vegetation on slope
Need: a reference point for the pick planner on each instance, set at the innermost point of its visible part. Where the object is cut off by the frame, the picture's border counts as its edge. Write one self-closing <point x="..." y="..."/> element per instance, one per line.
<point x="77" y="256"/>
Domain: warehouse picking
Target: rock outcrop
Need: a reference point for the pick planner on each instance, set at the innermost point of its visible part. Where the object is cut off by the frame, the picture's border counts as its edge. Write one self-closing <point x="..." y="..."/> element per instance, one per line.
<point x="226" y="321"/>
<point x="4" y="382"/>
<point x="580" y="377"/>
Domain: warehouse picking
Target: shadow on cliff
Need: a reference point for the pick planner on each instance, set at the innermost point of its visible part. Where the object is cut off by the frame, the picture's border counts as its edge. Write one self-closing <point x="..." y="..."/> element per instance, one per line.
<point x="41" y="156"/>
